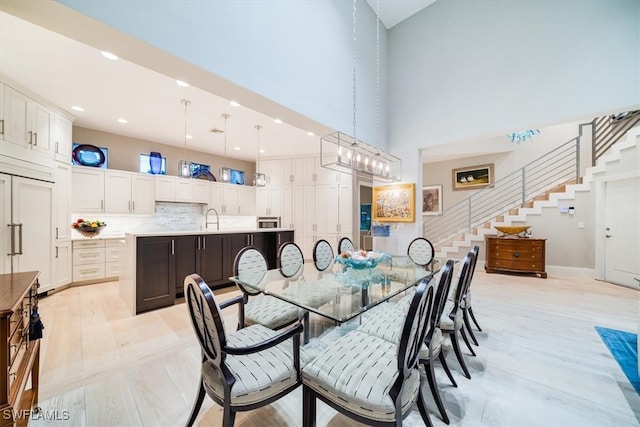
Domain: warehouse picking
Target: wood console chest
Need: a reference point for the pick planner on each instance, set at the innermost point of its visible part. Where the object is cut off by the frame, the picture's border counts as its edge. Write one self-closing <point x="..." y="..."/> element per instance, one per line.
<point x="515" y="255"/>
<point x="20" y="356"/>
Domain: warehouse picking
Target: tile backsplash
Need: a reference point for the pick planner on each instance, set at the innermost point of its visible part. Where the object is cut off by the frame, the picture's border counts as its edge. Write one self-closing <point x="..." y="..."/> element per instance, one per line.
<point x="167" y="217"/>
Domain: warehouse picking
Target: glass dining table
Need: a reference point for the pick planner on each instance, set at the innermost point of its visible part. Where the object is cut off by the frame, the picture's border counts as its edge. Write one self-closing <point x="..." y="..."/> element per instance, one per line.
<point x="341" y="293"/>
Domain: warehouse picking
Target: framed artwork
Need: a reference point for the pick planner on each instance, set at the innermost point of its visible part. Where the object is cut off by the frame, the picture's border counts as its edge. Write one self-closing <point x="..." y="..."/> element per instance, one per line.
<point x="394" y="203"/>
<point x="432" y="200"/>
<point x="472" y="177"/>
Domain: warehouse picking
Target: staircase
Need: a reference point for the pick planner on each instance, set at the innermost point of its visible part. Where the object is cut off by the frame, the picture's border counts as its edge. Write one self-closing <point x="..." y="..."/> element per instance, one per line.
<point x="559" y="185"/>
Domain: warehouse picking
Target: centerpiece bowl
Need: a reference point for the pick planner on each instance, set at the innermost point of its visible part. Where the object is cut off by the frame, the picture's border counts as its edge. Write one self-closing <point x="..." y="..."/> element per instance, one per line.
<point x="509" y="230"/>
<point x="360" y="260"/>
<point x="88" y="228"/>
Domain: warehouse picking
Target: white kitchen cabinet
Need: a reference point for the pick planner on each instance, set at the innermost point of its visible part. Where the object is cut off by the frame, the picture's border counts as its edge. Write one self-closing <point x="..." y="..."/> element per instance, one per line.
<point x="27" y="124"/>
<point x="246" y="200"/>
<point x="143" y="194"/>
<point x="62" y="197"/>
<point x="128" y="192"/>
<point x="215" y="197"/>
<point x="62" y="264"/>
<point x="304" y="170"/>
<point x="175" y="189"/>
<point x="269" y="201"/>
<point x="5" y="218"/>
<point x="96" y="260"/>
<point x="87" y="190"/>
<point x="230" y="200"/>
<point x="117" y="191"/>
<point x="62" y="141"/>
<point x="200" y="191"/>
<point x="184" y="190"/>
<point x="277" y="171"/>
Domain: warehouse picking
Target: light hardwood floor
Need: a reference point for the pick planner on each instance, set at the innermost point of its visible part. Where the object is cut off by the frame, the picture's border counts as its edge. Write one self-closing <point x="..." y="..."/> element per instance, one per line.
<point x="540" y="361"/>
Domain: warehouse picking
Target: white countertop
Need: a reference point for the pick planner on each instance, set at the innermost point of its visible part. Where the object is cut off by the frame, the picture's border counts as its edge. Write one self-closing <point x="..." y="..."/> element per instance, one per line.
<point x="209" y="231"/>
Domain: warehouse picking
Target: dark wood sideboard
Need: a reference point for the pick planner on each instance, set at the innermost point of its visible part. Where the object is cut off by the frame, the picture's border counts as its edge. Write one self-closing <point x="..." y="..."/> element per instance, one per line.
<point x="20" y="356"/>
<point x="515" y="255"/>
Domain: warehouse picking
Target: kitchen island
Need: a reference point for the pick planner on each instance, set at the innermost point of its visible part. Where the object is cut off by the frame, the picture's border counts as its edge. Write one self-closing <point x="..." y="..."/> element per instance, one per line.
<point x="154" y="265"/>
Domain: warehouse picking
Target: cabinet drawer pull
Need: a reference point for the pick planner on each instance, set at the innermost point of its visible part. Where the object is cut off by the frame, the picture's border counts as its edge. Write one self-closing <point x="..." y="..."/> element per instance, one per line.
<point x="35" y="138"/>
<point x="2" y="124"/>
<point x="516" y="254"/>
<point x="89" y="270"/>
<point x="204" y="243"/>
<point x="173" y="247"/>
<point x="30" y="138"/>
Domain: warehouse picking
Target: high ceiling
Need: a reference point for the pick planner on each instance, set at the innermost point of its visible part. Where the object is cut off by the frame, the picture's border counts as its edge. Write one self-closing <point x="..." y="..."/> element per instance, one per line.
<point x="69" y="73"/>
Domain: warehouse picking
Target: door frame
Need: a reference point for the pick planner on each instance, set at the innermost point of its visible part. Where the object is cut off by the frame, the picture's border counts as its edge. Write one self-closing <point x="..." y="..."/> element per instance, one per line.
<point x="600" y="218"/>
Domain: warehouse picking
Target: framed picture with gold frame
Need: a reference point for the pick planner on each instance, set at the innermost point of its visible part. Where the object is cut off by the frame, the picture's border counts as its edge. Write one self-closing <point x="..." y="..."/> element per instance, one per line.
<point x="394" y="203"/>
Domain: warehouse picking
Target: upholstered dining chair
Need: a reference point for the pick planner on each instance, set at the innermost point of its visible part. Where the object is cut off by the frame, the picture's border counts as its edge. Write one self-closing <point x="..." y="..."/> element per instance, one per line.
<point x="370" y="379"/>
<point x="345" y="245"/>
<point x="466" y="301"/>
<point x="251" y="266"/>
<point x="322" y="255"/>
<point x="290" y="260"/>
<point x="232" y="373"/>
<point x="420" y="252"/>
<point x="451" y="321"/>
<point x="386" y="323"/>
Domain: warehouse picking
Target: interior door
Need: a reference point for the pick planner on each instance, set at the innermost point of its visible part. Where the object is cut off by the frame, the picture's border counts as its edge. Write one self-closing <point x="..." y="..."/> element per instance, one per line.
<point x="622" y="231"/>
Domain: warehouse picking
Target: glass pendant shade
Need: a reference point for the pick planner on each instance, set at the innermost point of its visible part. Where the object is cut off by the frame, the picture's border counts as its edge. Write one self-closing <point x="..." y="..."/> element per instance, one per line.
<point x="184" y="168"/>
<point x="225" y="174"/>
<point x="259" y="179"/>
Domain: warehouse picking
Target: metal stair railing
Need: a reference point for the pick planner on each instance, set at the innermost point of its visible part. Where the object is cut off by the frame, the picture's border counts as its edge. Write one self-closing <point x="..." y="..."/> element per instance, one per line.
<point x="607" y="130"/>
<point x="557" y="167"/>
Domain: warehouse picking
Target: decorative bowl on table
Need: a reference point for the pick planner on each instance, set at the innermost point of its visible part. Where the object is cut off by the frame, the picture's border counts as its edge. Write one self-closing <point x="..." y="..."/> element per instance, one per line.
<point x="360" y="260"/>
<point x="511" y="230"/>
<point x="88" y="228"/>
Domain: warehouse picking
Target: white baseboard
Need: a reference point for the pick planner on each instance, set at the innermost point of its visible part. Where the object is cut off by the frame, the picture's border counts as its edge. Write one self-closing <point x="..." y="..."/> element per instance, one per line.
<point x="559" y="270"/>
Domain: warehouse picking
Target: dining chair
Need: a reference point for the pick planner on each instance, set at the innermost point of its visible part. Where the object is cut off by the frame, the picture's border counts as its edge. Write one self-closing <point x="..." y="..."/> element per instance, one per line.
<point x="345" y="245"/>
<point x="420" y="251"/>
<point x="386" y="323"/>
<point x="451" y="320"/>
<point x="466" y="301"/>
<point x="250" y="266"/>
<point x="233" y="370"/>
<point x="322" y="255"/>
<point x="290" y="260"/>
<point x="370" y="379"/>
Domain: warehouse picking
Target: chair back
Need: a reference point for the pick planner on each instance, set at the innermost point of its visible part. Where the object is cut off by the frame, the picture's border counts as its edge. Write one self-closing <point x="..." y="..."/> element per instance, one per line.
<point x="415" y="329"/>
<point x="250" y="266"/>
<point x="205" y="318"/>
<point x="463" y="283"/>
<point x="420" y="251"/>
<point x="345" y="245"/>
<point x="322" y="255"/>
<point x="290" y="259"/>
<point x="472" y="267"/>
<point x="446" y="275"/>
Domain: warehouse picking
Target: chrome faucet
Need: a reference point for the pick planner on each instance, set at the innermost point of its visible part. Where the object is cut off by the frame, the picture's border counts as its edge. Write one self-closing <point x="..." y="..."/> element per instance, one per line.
<point x="206" y="219"/>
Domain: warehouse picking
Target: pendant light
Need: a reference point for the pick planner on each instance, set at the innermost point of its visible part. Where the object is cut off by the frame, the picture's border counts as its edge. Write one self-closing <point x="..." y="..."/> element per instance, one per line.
<point x="259" y="179"/>
<point x="225" y="172"/>
<point x="347" y="154"/>
<point x="184" y="165"/>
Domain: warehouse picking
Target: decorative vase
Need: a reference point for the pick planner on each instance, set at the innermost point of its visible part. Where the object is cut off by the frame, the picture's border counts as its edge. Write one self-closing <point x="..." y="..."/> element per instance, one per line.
<point x="155" y="161"/>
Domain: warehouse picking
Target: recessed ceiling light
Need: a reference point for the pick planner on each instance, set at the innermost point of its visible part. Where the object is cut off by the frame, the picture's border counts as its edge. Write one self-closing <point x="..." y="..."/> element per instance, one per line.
<point x="236" y="148"/>
<point x="278" y="121"/>
<point x="262" y="151"/>
<point x="310" y="133"/>
<point x="109" y="55"/>
<point x="77" y="108"/>
<point x="188" y="137"/>
<point x="181" y="83"/>
<point x="234" y="104"/>
<point x="121" y="120"/>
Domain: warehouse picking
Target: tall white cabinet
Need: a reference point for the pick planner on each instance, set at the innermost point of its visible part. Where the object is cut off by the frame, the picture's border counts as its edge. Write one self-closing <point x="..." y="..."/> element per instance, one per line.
<point x="316" y="202"/>
<point x="35" y="179"/>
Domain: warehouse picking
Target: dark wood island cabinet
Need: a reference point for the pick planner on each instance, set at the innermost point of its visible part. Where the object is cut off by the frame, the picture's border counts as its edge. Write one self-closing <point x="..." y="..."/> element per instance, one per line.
<point x="163" y="262"/>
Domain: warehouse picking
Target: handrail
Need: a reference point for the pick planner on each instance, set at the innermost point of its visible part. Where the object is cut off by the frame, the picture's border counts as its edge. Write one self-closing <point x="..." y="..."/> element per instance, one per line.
<point x="607" y="131"/>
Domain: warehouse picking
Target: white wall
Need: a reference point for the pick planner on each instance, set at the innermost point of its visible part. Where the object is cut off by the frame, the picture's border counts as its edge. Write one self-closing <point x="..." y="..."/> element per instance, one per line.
<point x="297" y="53"/>
<point x="463" y="68"/>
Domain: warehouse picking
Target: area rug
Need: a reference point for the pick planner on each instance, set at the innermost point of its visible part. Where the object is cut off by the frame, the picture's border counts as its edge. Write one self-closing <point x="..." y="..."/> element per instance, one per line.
<point x="624" y="348"/>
